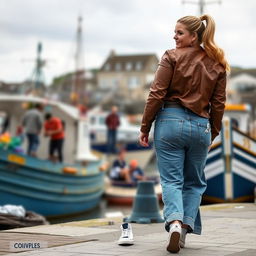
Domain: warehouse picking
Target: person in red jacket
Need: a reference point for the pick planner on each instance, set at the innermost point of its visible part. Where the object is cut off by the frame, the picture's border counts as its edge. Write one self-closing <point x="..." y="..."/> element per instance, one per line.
<point x="112" y="121"/>
<point x="54" y="128"/>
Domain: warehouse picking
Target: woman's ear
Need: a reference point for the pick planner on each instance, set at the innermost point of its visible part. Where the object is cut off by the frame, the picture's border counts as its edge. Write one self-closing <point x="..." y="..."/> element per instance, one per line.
<point x="194" y="38"/>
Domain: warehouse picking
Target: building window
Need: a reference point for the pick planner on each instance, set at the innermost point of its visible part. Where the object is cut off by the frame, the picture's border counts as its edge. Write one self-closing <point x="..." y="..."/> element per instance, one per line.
<point x="118" y="66"/>
<point x="115" y="83"/>
<point x="133" y="82"/>
<point x="138" y="65"/>
<point x="128" y="66"/>
<point x="107" y="67"/>
<point x="104" y="83"/>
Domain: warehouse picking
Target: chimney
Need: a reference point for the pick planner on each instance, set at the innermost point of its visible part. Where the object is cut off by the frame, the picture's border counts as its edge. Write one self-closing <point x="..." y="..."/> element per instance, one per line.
<point x="112" y="53"/>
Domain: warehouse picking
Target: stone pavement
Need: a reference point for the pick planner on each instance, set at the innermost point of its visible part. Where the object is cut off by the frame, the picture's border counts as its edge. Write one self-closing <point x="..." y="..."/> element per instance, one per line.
<point x="228" y="229"/>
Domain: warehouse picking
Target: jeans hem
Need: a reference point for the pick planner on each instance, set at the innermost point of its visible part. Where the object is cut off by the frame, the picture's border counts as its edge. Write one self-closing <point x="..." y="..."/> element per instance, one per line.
<point x="174" y="216"/>
<point x="194" y="229"/>
<point x="197" y="230"/>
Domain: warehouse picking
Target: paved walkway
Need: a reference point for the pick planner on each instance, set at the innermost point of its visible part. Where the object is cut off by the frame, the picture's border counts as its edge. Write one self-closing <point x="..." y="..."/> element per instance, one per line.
<point x="228" y="229"/>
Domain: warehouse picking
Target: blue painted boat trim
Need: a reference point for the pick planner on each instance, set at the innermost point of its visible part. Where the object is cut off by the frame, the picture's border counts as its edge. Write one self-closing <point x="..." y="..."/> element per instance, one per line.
<point x="47" y="166"/>
<point x="50" y="208"/>
<point x="242" y="187"/>
<point x="49" y="186"/>
<point x="214" y="158"/>
<point x="133" y="146"/>
<point x="216" y="187"/>
<point x="244" y="160"/>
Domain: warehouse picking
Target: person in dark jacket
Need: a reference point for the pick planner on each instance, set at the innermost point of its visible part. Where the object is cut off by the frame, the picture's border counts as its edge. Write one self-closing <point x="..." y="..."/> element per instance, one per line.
<point x="112" y="121"/>
<point x="187" y="101"/>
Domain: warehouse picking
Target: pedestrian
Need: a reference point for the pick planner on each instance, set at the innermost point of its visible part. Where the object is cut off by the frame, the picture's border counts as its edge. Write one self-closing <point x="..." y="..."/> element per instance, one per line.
<point x="54" y="128"/>
<point x="33" y="123"/>
<point x="112" y="122"/>
<point x="186" y="100"/>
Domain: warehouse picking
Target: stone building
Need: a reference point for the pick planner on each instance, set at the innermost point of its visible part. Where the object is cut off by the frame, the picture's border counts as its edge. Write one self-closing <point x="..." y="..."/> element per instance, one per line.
<point x="127" y="76"/>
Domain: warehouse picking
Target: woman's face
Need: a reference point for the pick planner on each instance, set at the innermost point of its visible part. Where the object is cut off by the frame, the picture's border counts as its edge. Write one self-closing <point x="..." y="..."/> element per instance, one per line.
<point x="182" y="36"/>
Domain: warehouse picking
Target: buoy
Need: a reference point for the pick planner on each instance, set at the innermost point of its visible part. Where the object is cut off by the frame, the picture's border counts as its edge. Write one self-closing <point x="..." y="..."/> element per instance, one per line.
<point x="69" y="170"/>
<point x="145" y="205"/>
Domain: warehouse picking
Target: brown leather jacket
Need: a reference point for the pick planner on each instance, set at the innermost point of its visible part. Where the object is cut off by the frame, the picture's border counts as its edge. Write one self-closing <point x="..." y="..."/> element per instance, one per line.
<point x="188" y="76"/>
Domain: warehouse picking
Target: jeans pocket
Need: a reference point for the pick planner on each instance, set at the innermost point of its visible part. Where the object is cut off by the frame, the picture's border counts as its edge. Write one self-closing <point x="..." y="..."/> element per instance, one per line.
<point x="169" y="130"/>
<point x="205" y="133"/>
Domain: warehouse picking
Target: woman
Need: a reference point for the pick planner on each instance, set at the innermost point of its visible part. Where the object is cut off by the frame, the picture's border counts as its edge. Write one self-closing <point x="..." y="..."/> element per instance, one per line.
<point x="187" y="100"/>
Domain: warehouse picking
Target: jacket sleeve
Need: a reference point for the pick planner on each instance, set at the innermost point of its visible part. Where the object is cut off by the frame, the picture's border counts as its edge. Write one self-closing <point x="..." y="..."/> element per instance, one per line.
<point x="158" y="91"/>
<point x="218" y="105"/>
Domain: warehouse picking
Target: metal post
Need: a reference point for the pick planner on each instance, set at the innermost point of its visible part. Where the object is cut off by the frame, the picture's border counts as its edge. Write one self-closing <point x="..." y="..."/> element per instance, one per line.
<point x="201" y="3"/>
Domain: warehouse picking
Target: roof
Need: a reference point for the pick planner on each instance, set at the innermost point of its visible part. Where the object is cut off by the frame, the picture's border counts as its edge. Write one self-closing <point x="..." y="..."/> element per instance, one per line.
<point x="243" y="78"/>
<point x="68" y="109"/>
<point x="237" y="71"/>
<point x="135" y="62"/>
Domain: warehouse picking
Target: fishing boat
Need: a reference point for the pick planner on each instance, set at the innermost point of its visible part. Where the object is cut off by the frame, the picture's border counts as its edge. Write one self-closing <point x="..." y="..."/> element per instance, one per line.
<point x="231" y="164"/>
<point x="122" y="193"/>
<point x="40" y="185"/>
<point x="127" y="137"/>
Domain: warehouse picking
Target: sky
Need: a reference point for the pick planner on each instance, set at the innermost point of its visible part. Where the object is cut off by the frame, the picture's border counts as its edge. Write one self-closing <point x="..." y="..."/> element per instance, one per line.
<point x="128" y="27"/>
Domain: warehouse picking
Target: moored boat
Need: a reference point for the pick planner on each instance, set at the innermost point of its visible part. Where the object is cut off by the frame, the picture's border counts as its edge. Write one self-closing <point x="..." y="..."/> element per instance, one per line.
<point x="121" y="193"/>
<point x="127" y="137"/>
<point x="231" y="164"/>
<point x="42" y="186"/>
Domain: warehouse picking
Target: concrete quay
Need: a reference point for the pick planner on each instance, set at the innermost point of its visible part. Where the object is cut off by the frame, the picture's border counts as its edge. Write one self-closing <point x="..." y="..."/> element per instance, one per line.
<point x="228" y="229"/>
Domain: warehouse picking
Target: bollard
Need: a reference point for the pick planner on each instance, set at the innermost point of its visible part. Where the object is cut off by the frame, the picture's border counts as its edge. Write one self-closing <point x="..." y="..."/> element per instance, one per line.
<point x="145" y="205"/>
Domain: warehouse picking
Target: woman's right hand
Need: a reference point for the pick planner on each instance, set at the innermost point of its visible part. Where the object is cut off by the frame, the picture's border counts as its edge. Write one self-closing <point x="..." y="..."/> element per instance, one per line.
<point x="143" y="139"/>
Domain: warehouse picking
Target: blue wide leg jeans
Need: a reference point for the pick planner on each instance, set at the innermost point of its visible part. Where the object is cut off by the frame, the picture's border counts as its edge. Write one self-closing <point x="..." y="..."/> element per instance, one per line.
<point x="181" y="141"/>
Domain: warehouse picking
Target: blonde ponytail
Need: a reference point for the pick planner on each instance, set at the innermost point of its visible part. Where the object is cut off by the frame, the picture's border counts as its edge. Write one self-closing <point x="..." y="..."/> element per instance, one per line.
<point x="211" y="49"/>
<point x="206" y="36"/>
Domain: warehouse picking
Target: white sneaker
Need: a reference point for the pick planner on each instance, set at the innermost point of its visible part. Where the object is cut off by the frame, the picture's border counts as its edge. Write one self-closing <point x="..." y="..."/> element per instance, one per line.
<point x="183" y="237"/>
<point x="174" y="238"/>
<point x="126" y="237"/>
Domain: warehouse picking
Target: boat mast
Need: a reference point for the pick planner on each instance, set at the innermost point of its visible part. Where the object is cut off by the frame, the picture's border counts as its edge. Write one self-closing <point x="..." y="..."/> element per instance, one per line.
<point x="79" y="66"/>
<point x="37" y="75"/>
<point x="201" y="4"/>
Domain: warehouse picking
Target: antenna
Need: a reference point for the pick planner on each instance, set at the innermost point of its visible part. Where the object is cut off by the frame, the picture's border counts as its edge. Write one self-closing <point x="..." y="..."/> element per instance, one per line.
<point x="201" y="3"/>
<point x="79" y="64"/>
<point x="40" y="63"/>
<point x="37" y="77"/>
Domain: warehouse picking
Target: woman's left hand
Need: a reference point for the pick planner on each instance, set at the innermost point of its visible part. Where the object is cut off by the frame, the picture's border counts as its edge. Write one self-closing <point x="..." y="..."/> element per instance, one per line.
<point x="143" y="139"/>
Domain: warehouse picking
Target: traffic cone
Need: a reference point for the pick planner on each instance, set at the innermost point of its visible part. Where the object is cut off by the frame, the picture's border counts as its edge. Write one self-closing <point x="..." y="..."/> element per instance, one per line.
<point x="145" y="205"/>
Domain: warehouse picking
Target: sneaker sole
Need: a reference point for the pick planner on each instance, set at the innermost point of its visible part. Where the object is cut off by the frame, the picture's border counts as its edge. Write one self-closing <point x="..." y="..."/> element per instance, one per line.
<point x="174" y="245"/>
<point x="126" y="242"/>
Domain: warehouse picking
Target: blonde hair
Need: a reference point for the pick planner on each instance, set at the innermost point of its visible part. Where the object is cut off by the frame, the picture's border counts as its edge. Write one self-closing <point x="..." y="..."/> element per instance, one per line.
<point x="206" y="36"/>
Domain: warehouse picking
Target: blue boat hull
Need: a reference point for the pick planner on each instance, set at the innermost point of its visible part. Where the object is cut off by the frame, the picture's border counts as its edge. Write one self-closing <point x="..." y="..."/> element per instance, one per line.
<point x="231" y="168"/>
<point x="50" y="208"/>
<point x="45" y="188"/>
